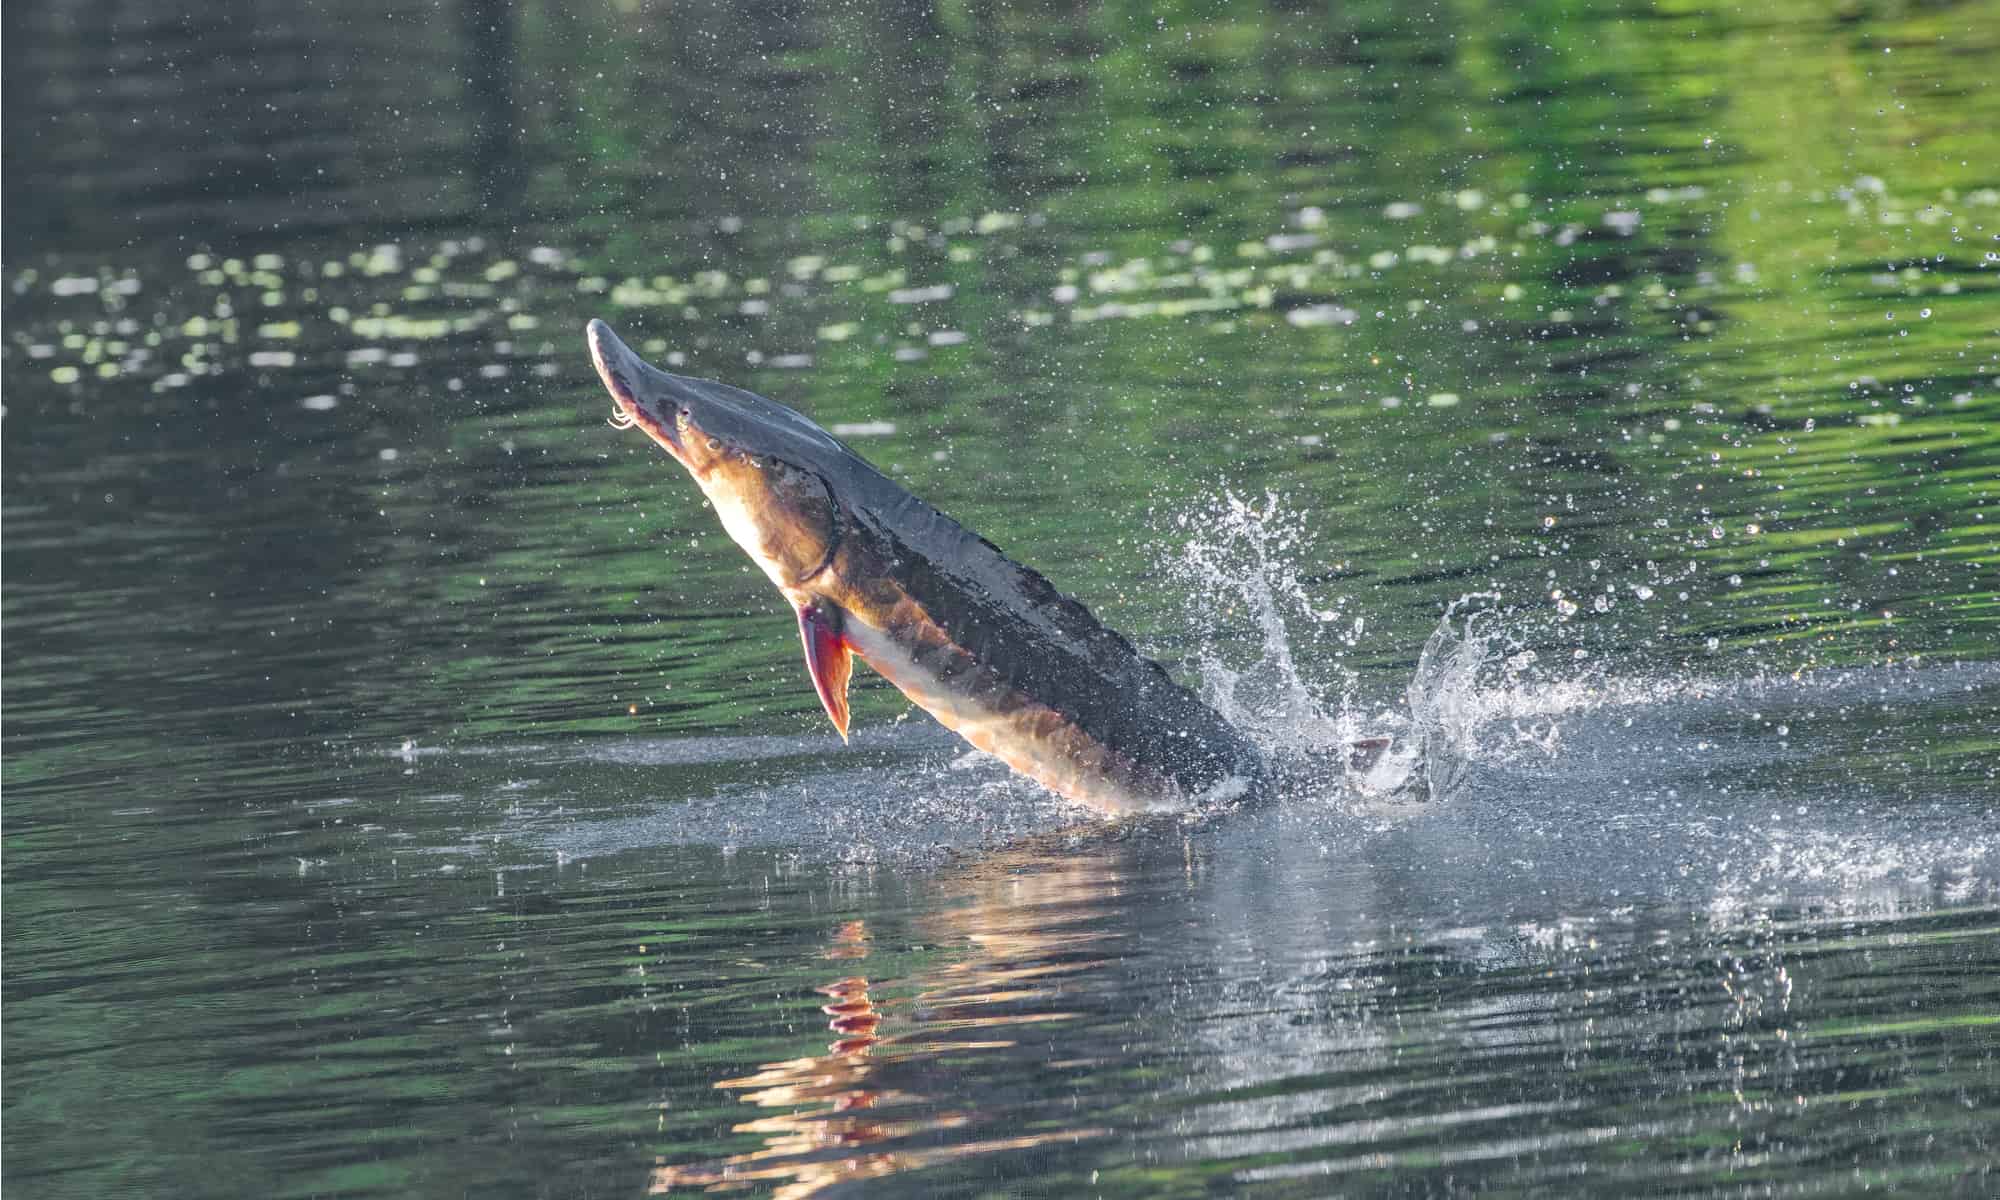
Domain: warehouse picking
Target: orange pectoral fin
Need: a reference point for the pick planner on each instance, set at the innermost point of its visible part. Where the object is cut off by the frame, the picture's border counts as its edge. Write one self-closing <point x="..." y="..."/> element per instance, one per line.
<point x="828" y="660"/>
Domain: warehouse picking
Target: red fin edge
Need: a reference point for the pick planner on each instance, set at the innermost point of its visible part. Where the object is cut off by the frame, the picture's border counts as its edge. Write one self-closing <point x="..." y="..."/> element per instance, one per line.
<point x="828" y="660"/>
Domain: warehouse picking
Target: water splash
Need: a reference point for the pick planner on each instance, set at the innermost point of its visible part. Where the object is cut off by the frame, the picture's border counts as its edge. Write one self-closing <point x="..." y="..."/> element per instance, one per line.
<point x="1481" y="696"/>
<point x="1238" y="569"/>
<point x="1270" y="651"/>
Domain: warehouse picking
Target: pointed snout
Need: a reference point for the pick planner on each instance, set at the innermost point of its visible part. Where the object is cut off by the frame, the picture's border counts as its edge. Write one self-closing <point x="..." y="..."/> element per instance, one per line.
<point x="616" y="364"/>
<point x="695" y="419"/>
<point x="636" y="388"/>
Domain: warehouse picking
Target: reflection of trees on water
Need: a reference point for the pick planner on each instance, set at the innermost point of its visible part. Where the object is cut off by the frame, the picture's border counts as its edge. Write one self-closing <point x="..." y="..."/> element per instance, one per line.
<point x="490" y="106"/>
<point x="1035" y="924"/>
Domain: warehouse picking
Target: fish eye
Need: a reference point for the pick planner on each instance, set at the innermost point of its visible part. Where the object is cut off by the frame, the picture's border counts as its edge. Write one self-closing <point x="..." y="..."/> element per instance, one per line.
<point x="681" y="418"/>
<point x="715" y="443"/>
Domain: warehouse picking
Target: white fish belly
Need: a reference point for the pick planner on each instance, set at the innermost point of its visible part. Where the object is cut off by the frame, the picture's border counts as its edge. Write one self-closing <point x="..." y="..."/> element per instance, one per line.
<point x="1027" y="735"/>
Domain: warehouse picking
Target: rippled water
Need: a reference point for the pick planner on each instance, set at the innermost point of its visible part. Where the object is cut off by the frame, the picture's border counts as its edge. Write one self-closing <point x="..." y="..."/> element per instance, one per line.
<point x="409" y="790"/>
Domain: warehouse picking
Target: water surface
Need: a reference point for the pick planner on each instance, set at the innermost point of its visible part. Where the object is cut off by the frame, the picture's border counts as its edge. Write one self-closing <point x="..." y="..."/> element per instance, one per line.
<point x="410" y="790"/>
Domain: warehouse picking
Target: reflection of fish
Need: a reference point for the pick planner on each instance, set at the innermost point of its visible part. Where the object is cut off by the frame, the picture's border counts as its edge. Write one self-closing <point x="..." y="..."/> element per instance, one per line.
<point x="1031" y="927"/>
<point x="985" y="645"/>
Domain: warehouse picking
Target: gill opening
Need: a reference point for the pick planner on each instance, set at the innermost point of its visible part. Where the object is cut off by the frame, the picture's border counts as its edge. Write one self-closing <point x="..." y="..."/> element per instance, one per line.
<point x="834" y="537"/>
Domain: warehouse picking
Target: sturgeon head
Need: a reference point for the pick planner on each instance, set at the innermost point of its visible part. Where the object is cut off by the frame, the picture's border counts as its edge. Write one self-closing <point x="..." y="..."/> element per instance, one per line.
<point x="987" y="646"/>
<point x="764" y="468"/>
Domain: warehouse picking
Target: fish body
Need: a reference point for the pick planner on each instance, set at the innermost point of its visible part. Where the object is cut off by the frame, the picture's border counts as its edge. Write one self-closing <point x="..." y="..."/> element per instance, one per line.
<point x="987" y="646"/>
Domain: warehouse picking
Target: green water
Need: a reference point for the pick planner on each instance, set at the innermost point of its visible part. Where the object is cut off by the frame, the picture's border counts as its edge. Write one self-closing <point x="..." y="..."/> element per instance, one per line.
<point x="409" y="790"/>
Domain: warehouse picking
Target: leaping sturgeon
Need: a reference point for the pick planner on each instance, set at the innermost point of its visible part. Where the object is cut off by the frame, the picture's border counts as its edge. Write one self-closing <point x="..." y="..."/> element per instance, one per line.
<point x="987" y="646"/>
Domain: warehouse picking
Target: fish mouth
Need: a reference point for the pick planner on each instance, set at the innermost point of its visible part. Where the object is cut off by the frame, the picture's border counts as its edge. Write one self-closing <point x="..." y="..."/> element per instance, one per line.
<point x="621" y="370"/>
